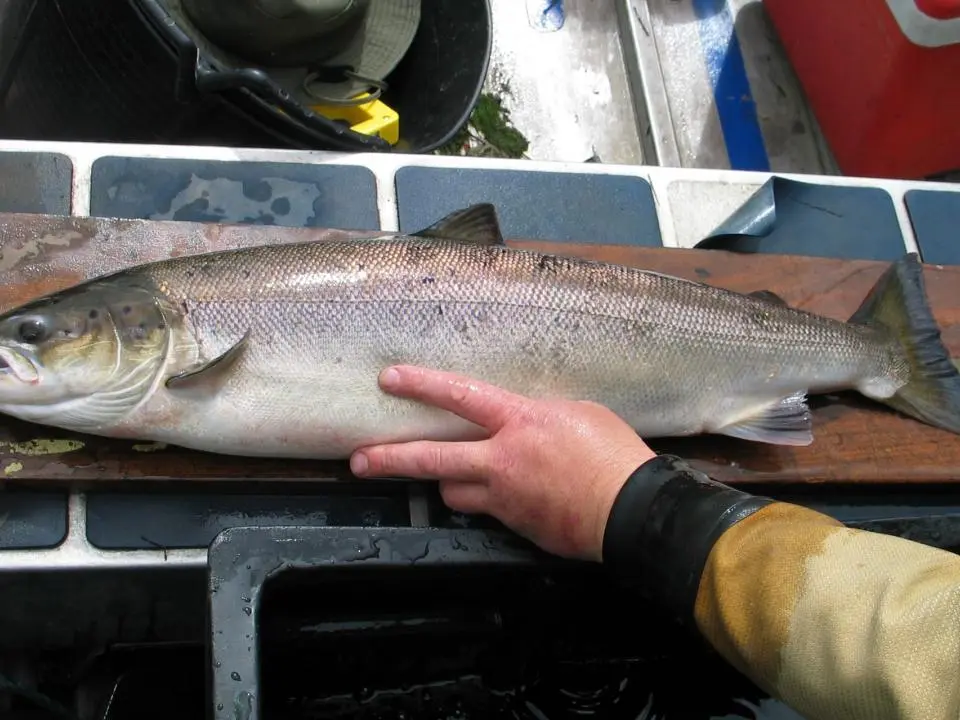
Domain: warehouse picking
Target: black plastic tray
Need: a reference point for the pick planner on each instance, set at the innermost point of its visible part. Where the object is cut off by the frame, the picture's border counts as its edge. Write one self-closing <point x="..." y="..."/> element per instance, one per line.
<point x="308" y="622"/>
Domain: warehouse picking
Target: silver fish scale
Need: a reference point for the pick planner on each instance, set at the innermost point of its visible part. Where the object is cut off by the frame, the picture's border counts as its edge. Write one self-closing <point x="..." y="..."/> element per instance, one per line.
<point x="670" y="356"/>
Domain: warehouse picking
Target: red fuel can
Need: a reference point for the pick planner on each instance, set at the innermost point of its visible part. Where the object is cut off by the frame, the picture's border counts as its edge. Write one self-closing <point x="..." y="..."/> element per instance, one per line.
<point x="882" y="78"/>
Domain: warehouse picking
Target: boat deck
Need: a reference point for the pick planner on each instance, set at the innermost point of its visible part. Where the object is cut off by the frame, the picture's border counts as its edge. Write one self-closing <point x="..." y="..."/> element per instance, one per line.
<point x="701" y="84"/>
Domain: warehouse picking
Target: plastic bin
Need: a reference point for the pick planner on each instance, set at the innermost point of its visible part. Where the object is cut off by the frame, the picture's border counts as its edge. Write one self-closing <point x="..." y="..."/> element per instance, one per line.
<point x="123" y="71"/>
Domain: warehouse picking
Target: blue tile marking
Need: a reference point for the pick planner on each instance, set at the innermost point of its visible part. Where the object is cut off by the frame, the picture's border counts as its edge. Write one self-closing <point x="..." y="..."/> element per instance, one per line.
<point x="287" y="194"/>
<point x="535" y="205"/>
<point x="117" y="521"/>
<point x="32" y="520"/>
<point x="935" y="217"/>
<point x="801" y="218"/>
<point x="731" y="87"/>
<point x="35" y="183"/>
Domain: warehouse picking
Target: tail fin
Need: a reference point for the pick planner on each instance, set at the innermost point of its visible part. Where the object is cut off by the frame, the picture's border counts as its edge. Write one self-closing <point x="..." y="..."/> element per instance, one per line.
<point x="899" y="303"/>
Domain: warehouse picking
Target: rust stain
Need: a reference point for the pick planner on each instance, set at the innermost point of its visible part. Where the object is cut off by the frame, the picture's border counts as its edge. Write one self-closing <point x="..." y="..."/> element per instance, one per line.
<point x="12" y="295"/>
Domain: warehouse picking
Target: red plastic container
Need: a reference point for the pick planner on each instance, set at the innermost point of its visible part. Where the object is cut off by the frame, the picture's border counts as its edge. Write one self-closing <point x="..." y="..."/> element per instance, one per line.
<point x="882" y="77"/>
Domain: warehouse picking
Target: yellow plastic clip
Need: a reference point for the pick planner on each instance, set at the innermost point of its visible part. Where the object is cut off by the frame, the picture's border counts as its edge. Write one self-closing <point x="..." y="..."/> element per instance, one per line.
<point x="372" y="118"/>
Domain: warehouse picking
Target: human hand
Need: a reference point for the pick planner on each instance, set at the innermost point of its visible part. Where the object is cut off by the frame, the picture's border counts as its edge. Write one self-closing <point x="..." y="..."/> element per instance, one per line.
<point x="550" y="469"/>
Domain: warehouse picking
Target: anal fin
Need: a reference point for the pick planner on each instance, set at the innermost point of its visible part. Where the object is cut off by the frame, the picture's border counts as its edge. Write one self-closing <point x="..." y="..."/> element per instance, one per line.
<point x="786" y="422"/>
<point x="211" y="373"/>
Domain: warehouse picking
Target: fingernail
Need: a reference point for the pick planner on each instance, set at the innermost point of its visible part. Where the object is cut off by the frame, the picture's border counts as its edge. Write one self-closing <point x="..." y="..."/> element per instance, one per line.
<point x="359" y="464"/>
<point x="389" y="378"/>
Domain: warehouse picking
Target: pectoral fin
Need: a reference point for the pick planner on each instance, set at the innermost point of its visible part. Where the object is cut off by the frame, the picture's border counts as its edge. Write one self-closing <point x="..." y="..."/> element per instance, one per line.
<point x="475" y="224"/>
<point x="209" y="374"/>
<point x="786" y="422"/>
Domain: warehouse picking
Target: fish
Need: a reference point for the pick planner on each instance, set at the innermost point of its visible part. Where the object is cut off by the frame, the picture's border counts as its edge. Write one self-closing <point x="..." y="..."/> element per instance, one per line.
<point x="275" y="350"/>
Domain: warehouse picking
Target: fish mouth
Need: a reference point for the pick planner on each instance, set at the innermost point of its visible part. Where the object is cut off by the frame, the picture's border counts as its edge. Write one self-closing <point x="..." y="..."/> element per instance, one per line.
<point x="14" y="363"/>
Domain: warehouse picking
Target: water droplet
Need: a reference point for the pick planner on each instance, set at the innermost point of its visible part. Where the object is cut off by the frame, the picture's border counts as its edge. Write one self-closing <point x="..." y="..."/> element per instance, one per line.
<point x="247" y="610"/>
<point x="244" y="598"/>
<point x="235" y="676"/>
<point x="219" y="706"/>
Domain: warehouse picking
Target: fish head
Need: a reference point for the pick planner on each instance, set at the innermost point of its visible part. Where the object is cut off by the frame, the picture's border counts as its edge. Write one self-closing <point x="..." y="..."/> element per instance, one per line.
<point x="83" y="356"/>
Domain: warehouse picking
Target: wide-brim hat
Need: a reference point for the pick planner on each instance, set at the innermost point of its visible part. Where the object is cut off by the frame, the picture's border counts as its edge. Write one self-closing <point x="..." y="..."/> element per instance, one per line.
<point x="340" y="47"/>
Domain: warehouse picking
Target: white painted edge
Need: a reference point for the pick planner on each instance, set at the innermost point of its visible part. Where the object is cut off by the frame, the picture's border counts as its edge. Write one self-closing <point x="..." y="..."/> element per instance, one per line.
<point x="920" y="28"/>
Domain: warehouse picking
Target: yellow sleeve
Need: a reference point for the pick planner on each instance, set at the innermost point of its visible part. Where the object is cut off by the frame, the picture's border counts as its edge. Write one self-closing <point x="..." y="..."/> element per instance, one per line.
<point x="836" y="622"/>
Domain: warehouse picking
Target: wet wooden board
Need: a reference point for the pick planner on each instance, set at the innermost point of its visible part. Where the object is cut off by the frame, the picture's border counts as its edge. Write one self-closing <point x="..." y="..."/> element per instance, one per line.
<point x="855" y="440"/>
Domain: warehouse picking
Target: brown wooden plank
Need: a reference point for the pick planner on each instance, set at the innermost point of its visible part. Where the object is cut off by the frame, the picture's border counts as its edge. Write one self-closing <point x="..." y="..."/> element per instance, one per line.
<point x="856" y="441"/>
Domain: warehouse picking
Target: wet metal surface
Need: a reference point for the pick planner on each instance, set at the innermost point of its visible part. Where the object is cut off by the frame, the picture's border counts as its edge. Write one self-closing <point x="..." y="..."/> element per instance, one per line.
<point x="719" y="89"/>
<point x="566" y="88"/>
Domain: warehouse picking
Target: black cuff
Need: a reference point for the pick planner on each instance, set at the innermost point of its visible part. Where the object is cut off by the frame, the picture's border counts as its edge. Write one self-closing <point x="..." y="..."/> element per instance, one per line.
<point x="663" y="524"/>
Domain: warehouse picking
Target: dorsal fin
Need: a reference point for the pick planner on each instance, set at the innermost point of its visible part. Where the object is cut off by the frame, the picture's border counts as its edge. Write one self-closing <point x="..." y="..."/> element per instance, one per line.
<point x="475" y="224"/>
<point x="769" y="296"/>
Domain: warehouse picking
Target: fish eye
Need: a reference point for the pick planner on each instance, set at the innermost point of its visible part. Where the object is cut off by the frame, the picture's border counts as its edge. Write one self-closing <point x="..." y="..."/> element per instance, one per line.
<point x="31" y="331"/>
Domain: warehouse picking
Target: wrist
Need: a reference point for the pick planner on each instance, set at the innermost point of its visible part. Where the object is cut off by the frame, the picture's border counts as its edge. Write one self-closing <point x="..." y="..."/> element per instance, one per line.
<point x="662" y="525"/>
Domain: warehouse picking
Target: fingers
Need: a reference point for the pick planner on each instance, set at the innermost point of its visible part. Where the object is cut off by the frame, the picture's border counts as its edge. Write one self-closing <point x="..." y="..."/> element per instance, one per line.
<point x="465" y="497"/>
<point x="480" y="403"/>
<point x="423" y="460"/>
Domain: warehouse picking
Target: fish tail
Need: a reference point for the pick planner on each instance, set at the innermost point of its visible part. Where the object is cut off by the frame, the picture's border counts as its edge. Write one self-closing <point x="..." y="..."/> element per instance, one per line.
<point x="898" y="303"/>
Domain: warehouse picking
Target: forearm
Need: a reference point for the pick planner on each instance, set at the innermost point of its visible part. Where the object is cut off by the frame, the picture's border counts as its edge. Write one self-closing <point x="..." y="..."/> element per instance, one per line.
<point x="834" y="621"/>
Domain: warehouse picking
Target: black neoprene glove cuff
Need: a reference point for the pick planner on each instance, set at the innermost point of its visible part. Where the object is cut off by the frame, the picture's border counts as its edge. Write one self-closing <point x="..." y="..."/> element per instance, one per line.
<point x="662" y="526"/>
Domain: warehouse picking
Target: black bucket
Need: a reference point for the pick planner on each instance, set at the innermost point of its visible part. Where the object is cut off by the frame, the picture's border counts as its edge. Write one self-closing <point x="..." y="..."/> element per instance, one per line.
<point x="124" y="71"/>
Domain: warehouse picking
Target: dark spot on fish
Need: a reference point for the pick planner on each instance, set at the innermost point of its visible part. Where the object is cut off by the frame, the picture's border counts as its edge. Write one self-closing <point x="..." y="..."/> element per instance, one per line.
<point x="439" y="309"/>
<point x="246" y="274"/>
<point x="463" y="327"/>
<point x="549" y="262"/>
<point x="281" y="206"/>
<point x="127" y="309"/>
<point x="183" y="308"/>
<point x="415" y="251"/>
<point x="65" y="333"/>
<point x="338" y="360"/>
<point x="761" y="318"/>
<point x="428" y="280"/>
<point x="143" y="326"/>
<point x="161" y="326"/>
<point x="702" y="272"/>
<point x="189" y="273"/>
<point x="361" y="267"/>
